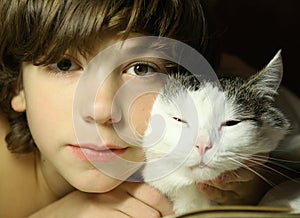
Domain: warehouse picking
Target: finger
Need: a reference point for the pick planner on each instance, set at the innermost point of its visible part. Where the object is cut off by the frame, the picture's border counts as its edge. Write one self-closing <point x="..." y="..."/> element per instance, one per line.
<point x="216" y="195"/>
<point x="122" y="204"/>
<point x="133" y="207"/>
<point x="236" y="176"/>
<point x="150" y="196"/>
<point x="257" y="159"/>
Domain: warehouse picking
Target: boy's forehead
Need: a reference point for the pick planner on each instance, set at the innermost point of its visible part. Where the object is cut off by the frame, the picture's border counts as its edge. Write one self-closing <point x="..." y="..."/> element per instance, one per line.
<point x="106" y="40"/>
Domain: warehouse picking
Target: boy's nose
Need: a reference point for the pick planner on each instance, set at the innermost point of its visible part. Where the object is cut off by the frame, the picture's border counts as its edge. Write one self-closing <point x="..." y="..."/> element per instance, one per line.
<point x="101" y="111"/>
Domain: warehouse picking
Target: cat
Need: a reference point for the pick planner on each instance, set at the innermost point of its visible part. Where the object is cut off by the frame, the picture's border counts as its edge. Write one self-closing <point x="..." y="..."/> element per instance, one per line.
<point x="196" y="132"/>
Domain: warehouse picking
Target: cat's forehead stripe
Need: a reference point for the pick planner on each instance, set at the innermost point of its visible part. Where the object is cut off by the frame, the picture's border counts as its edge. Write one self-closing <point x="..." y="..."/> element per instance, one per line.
<point x="178" y="84"/>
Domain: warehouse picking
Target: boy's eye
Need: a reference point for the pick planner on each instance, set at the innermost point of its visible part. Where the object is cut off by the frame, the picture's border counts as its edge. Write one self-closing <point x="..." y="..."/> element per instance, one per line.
<point x="65" y="65"/>
<point x="140" y="69"/>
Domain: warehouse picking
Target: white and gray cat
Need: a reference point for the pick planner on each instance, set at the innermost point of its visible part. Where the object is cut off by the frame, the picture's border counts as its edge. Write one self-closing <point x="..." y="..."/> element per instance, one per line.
<point x="195" y="133"/>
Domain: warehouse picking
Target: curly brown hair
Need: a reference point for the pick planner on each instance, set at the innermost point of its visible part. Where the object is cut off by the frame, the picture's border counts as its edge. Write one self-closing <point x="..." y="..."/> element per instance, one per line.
<point x="41" y="31"/>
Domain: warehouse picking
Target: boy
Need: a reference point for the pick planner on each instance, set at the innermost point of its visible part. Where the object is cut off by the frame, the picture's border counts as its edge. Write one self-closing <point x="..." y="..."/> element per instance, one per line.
<point x="45" y="47"/>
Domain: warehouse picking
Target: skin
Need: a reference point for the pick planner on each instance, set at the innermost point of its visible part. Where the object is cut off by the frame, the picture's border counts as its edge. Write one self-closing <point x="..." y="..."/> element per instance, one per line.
<point x="62" y="184"/>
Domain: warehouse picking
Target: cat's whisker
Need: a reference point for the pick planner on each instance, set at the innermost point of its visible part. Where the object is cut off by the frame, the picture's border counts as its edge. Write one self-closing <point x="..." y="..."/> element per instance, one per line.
<point x="259" y="160"/>
<point x="270" y="169"/>
<point x="253" y="155"/>
<point x="252" y="170"/>
<point x="284" y="160"/>
<point x="284" y="167"/>
<point x="274" y="161"/>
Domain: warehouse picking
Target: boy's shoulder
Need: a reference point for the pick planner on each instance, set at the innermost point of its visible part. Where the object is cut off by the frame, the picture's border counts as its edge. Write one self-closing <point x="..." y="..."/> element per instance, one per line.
<point x="17" y="181"/>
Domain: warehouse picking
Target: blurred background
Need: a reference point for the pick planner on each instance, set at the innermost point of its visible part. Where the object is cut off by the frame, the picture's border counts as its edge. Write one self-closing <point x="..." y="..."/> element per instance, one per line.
<point x="255" y="30"/>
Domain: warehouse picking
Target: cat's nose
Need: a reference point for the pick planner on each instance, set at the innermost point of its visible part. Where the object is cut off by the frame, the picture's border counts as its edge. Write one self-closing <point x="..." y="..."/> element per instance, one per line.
<point x="203" y="147"/>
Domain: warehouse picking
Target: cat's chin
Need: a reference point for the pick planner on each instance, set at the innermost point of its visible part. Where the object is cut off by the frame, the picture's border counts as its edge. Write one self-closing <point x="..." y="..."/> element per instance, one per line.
<point x="203" y="173"/>
<point x="201" y="166"/>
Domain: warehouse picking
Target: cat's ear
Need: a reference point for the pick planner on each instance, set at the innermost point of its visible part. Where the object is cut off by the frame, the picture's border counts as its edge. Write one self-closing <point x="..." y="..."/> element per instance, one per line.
<point x="267" y="81"/>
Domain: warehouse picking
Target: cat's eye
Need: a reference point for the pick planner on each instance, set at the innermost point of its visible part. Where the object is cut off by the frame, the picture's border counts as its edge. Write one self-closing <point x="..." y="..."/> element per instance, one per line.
<point x="231" y="123"/>
<point x="179" y="120"/>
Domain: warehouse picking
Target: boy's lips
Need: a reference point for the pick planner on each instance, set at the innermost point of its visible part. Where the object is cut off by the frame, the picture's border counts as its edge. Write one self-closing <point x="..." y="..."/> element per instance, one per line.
<point x="94" y="153"/>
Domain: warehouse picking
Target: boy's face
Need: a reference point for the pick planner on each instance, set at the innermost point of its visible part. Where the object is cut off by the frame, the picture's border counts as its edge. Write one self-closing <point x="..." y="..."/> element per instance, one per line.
<point x="88" y="123"/>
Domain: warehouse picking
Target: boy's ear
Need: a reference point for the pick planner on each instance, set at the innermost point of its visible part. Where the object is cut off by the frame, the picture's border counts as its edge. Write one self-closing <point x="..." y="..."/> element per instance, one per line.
<point x="18" y="102"/>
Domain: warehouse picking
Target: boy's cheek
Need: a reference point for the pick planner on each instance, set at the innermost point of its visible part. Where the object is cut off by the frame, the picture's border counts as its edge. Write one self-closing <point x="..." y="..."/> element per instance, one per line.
<point x="140" y="112"/>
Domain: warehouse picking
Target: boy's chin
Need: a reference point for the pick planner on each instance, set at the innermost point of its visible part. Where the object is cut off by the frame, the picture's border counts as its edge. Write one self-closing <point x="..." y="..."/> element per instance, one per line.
<point x="99" y="184"/>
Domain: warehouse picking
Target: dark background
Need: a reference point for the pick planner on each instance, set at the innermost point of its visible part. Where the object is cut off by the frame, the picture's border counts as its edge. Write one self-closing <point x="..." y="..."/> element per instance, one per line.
<point x="255" y="30"/>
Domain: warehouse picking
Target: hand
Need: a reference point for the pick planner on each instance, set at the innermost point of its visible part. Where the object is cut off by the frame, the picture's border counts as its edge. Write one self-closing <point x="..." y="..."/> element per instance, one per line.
<point x="240" y="186"/>
<point x="126" y="200"/>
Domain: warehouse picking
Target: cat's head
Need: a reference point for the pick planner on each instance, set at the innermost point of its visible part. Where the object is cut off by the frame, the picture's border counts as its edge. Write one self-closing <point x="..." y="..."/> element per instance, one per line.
<point x="211" y="130"/>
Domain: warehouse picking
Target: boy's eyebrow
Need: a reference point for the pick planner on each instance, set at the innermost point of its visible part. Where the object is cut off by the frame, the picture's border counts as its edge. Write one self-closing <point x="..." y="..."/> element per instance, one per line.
<point x="81" y="57"/>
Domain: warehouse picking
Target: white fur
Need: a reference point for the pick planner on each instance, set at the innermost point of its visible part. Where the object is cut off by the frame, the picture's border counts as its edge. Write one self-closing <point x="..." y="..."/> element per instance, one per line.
<point x="172" y="156"/>
<point x="173" y="175"/>
<point x="183" y="119"/>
